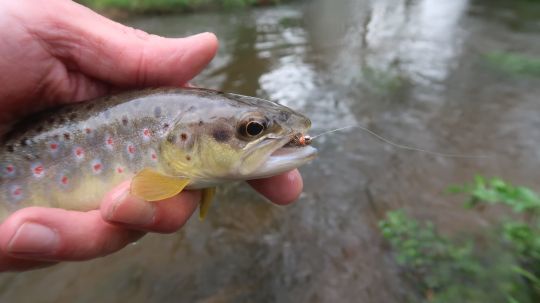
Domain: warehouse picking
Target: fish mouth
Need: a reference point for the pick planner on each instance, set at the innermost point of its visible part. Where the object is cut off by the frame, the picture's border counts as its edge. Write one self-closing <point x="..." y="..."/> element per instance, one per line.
<point x="285" y="157"/>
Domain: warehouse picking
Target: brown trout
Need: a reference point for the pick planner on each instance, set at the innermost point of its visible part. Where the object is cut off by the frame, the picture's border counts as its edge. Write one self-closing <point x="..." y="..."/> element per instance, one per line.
<point x="164" y="140"/>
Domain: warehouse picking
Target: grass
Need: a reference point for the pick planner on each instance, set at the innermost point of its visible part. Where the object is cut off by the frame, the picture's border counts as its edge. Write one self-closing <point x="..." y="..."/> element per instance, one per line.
<point x="505" y="267"/>
<point x="514" y="63"/>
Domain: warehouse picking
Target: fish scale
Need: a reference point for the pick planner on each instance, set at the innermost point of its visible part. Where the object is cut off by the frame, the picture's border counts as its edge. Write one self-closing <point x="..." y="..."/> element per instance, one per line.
<point x="69" y="157"/>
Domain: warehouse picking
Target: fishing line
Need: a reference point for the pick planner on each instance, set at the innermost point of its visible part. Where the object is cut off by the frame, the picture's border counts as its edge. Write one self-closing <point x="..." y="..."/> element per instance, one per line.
<point x="332" y="131"/>
<point x="401" y="146"/>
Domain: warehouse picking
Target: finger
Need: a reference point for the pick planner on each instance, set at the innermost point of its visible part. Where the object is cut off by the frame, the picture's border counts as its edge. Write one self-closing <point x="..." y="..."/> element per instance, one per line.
<point x="49" y="234"/>
<point x="282" y="189"/>
<point x="111" y="52"/>
<point x="166" y="216"/>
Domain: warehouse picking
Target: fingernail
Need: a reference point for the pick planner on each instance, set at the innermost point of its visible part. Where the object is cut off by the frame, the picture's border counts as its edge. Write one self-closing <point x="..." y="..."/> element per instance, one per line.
<point x="128" y="209"/>
<point x="198" y="35"/>
<point x="33" y="239"/>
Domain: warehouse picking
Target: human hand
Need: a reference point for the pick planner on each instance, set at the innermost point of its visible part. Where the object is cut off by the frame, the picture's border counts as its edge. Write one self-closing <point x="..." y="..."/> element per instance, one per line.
<point x="62" y="52"/>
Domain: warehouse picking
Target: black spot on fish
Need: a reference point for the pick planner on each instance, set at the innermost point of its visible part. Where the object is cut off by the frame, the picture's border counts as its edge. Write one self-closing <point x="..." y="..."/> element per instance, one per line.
<point x="10" y="148"/>
<point x="29" y="157"/>
<point x="201" y="122"/>
<point x="89" y="106"/>
<point x="188" y="157"/>
<point x="67" y="136"/>
<point x="56" y="137"/>
<point x="284" y="116"/>
<point x="157" y="111"/>
<point x="124" y="121"/>
<point x="171" y="138"/>
<point x="183" y="136"/>
<point x="221" y="135"/>
<point x="166" y="125"/>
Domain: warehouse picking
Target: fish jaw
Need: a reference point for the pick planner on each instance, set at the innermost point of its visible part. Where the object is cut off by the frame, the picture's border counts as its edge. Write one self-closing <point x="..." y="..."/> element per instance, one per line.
<point x="274" y="156"/>
<point x="285" y="159"/>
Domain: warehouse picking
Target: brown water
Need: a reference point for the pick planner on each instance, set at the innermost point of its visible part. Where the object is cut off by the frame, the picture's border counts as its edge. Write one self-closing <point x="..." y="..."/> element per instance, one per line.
<point x="414" y="72"/>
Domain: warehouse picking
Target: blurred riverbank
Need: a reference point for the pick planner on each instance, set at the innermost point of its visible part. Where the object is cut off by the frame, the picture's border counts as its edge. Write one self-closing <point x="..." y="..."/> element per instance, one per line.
<point x="124" y="8"/>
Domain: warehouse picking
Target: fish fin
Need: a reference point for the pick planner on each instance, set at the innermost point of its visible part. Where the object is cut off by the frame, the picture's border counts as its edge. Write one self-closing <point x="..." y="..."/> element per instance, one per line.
<point x="151" y="185"/>
<point x="207" y="197"/>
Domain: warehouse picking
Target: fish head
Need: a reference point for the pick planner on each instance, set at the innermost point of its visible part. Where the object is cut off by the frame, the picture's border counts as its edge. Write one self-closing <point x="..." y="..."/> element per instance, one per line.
<point x="240" y="138"/>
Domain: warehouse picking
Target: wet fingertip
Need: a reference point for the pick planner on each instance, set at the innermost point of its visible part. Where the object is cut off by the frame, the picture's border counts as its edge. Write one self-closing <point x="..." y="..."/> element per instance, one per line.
<point x="210" y="37"/>
<point x="207" y="40"/>
<point x="295" y="177"/>
<point x="282" y="189"/>
<point x="296" y="184"/>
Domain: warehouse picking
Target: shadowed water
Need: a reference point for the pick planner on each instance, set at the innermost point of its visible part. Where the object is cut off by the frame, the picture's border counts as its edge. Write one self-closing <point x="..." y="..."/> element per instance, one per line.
<point x="415" y="72"/>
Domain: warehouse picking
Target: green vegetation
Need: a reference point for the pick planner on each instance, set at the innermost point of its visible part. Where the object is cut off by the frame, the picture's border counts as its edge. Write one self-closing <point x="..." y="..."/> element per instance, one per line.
<point x="382" y="83"/>
<point x="515" y="14"/>
<point x="504" y="267"/>
<point x="514" y="63"/>
<point x="168" y="6"/>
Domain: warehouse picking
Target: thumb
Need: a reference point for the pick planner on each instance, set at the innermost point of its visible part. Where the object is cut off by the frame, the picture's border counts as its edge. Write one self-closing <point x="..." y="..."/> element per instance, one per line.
<point x="123" y="56"/>
<point x="146" y="60"/>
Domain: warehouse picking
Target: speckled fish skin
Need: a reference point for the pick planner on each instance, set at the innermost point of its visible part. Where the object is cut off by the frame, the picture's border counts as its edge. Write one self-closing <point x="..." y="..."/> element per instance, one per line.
<point x="71" y="156"/>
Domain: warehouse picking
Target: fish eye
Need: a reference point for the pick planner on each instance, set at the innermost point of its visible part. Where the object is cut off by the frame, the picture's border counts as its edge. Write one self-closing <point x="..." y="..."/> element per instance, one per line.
<point x="252" y="128"/>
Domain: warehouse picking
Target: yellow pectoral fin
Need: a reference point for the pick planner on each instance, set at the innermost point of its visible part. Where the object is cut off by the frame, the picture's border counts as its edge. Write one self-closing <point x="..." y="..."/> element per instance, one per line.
<point x="207" y="196"/>
<point x="153" y="186"/>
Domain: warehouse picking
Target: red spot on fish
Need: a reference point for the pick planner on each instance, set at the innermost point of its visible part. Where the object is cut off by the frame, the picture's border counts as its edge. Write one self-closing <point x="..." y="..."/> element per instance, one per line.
<point x="119" y="170"/>
<point x="38" y="170"/>
<point x="88" y="131"/>
<point x="64" y="180"/>
<point x="146" y="132"/>
<point x="97" y="166"/>
<point x="131" y="149"/>
<point x="10" y="168"/>
<point x="53" y="146"/>
<point x="109" y="141"/>
<point x="154" y="156"/>
<point x="79" y="152"/>
<point x="17" y="191"/>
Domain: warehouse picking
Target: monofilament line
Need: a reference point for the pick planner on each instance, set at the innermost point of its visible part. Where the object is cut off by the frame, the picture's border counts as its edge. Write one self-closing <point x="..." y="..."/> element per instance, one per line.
<point x="401" y="146"/>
